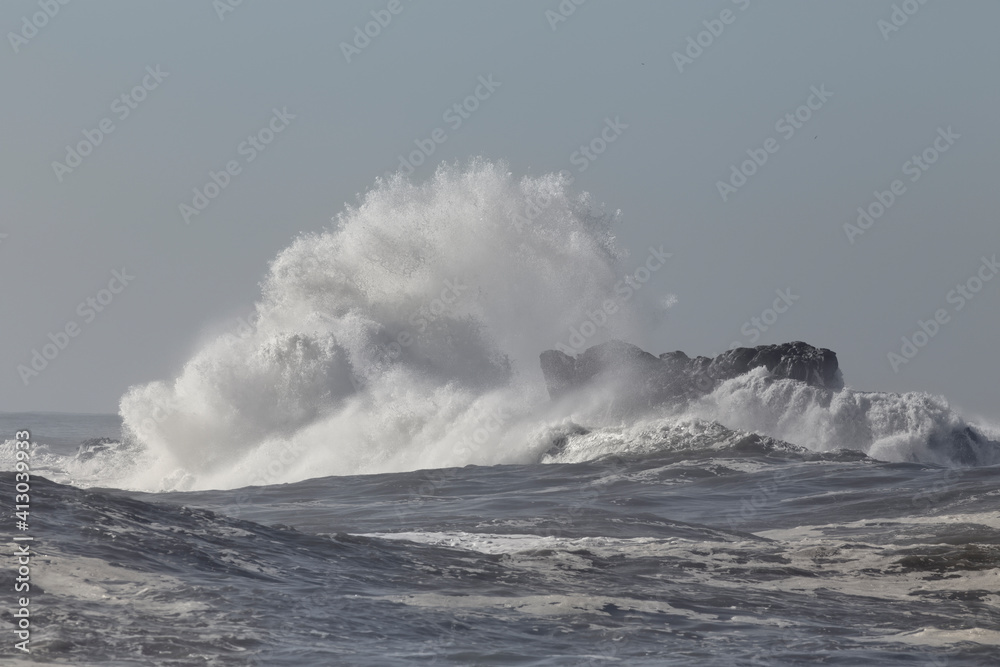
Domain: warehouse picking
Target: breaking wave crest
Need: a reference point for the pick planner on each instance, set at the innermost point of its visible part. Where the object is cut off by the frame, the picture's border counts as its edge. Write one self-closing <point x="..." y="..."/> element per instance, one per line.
<point x="407" y="336"/>
<point x="914" y="427"/>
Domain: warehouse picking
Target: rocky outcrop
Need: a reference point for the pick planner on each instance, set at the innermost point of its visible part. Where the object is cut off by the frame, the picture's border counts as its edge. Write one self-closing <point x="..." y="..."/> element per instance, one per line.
<point x="674" y="377"/>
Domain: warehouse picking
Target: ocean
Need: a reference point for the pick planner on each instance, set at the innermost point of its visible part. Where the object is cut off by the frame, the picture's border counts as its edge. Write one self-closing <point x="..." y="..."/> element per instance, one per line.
<point x="721" y="550"/>
<point x="372" y="469"/>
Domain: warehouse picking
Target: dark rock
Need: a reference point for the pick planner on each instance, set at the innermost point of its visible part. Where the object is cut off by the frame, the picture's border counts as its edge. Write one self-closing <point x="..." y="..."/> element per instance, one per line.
<point x="673" y="377"/>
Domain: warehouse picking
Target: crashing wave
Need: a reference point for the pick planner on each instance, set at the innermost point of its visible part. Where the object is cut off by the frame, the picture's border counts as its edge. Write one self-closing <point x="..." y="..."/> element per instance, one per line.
<point x="407" y="337"/>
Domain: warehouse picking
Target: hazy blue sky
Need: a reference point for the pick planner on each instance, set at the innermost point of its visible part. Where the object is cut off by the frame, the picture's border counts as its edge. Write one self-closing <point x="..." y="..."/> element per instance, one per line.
<point x="891" y="91"/>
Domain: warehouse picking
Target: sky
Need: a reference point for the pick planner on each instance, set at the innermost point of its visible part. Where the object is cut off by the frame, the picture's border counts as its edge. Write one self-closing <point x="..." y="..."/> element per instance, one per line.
<point x="892" y="106"/>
